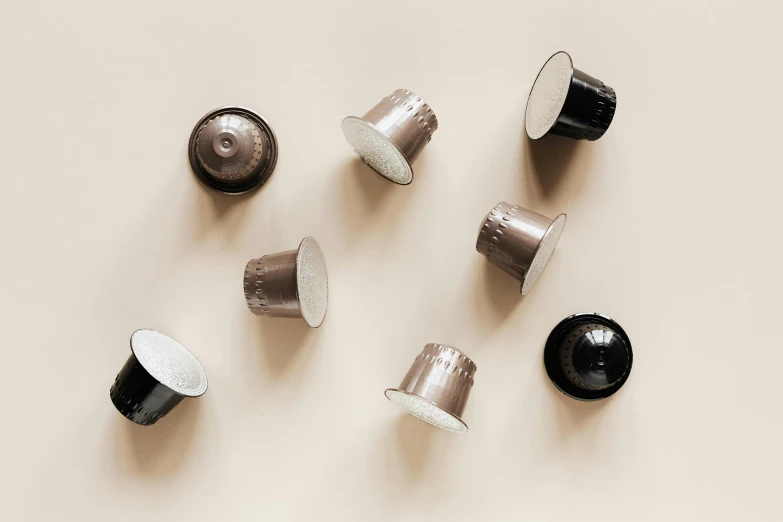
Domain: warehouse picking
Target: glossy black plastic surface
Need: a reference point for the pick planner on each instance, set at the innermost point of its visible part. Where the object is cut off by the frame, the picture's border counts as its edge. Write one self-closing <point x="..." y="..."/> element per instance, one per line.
<point x="139" y="396"/>
<point x="588" y="356"/>
<point x="588" y="109"/>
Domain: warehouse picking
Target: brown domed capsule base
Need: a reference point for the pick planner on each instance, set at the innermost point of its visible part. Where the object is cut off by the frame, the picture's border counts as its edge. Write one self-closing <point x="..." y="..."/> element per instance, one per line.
<point x="232" y="150"/>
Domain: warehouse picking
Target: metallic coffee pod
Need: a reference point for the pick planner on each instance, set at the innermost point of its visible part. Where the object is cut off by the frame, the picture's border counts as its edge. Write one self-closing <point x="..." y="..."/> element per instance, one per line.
<point x="289" y="284"/>
<point x="156" y="377"/>
<point x="437" y="387"/>
<point x="588" y="356"/>
<point x="567" y="102"/>
<point x="232" y="150"/>
<point x="391" y="135"/>
<point x="519" y="241"/>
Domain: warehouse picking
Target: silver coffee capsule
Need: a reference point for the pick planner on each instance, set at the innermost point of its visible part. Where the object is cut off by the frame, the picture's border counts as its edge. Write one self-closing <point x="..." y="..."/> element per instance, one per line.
<point x="437" y="387"/>
<point x="159" y="373"/>
<point x="232" y="150"/>
<point x="289" y="284"/>
<point x="391" y="135"/>
<point x="519" y="241"/>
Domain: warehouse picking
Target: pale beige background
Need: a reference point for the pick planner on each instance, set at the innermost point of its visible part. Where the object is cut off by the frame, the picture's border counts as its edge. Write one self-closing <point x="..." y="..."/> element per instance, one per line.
<point x="674" y="230"/>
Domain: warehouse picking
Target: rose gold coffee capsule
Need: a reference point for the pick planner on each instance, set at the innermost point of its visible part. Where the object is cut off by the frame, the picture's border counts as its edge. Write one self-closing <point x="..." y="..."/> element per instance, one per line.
<point x="289" y="284"/>
<point x="232" y="150"/>
<point x="391" y="135"/>
<point x="519" y="241"/>
<point x="437" y="387"/>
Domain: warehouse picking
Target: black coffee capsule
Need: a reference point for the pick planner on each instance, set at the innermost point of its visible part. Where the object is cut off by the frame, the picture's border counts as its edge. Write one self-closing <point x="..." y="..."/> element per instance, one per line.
<point x="156" y="377"/>
<point x="232" y="150"/>
<point x="568" y="102"/>
<point x="588" y="356"/>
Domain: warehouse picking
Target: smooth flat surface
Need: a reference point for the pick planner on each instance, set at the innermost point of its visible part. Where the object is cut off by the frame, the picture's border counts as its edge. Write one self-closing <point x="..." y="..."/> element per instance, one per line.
<point x="674" y="222"/>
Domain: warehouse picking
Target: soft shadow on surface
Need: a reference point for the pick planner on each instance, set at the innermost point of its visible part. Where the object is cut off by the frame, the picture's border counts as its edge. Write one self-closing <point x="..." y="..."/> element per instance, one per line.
<point x="493" y="297"/>
<point x="283" y="342"/>
<point x="501" y="290"/>
<point x="573" y="417"/>
<point x="367" y="197"/>
<point x="415" y="439"/>
<point x="161" y="449"/>
<point x="373" y="187"/>
<point x="214" y="208"/>
<point x="222" y="203"/>
<point x="557" y="163"/>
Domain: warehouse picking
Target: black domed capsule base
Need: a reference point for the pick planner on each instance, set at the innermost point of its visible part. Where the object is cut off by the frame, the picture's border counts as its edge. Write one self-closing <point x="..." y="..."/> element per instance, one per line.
<point x="588" y="356"/>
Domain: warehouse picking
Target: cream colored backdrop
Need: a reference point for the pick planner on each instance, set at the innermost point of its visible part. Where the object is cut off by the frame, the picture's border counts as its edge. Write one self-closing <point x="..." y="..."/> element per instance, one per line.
<point x="674" y="229"/>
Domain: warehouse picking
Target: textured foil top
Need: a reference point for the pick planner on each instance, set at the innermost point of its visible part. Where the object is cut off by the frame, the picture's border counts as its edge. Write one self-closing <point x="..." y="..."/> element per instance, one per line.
<point x="424" y="410"/>
<point x="548" y="95"/>
<point x="169" y="362"/>
<point x="377" y="151"/>
<point x="312" y="282"/>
